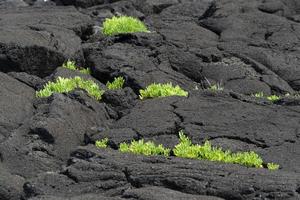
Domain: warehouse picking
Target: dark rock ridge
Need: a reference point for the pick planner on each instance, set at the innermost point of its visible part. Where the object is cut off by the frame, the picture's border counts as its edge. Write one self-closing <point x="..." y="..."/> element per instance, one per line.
<point x="47" y="147"/>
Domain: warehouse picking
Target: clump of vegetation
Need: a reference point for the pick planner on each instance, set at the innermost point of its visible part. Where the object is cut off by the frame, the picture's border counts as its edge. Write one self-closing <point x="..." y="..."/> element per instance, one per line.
<point x="116" y="84"/>
<point x="162" y="90"/>
<point x="258" y="95"/>
<point x="101" y="143"/>
<point x="64" y="85"/>
<point x="186" y="149"/>
<point x="123" y="24"/>
<point x="272" y="98"/>
<point x="215" y="88"/>
<point x="72" y="66"/>
<point x="144" y="148"/>
<point x="272" y="166"/>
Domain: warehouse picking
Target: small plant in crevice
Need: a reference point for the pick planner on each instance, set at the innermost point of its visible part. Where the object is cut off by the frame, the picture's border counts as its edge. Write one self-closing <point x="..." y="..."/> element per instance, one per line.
<point x="144" y="148"/>
<point x="101" y="143"/>
<point x="215" y="88"/>
<point x="72" y="66"/>
<point x="272" y="98"/>
<point x="186" y="149"/>
<point x="258" y="95"/>
<point x="162" y="90"/>
<point x="122" y="25"/>
<point x="272" y="166"/>
<point x="64" y="85"/>
<point x="118" y="83"/>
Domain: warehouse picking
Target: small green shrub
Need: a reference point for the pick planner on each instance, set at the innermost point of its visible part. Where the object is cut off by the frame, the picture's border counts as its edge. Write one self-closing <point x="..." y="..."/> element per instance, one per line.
<point x="101" y="143"/>
<point x="64" y="85"/>
<point x="272" y="98"/>
<point x="144" y="148"/>
<point x="116" y="84"/>
<point x="216" y="87"/>
<point x="162" y="90"/>
<point x="272" y="166"/>
<point x="72" y="66"/>
<point x="258" y="95"/>
<point x="123" y="24"/>
<point x="186" y="149"/>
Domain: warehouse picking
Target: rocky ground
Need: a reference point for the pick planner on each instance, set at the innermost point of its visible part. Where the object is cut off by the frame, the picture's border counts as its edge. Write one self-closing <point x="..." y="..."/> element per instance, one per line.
<point x="47" y="145"/>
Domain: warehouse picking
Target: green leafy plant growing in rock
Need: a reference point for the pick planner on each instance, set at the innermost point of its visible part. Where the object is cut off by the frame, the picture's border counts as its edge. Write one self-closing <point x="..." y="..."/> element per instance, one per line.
<point x="162" y="90"/>
<point x="258" y="95"/>
<point x="215" y="88"/>
<point x="272" y="166"/>
<point x="64" y="85"/>
<point x="101" y="143"/>
<point x="272" y="98"/>
<point x="72" y="66"/>
<point x="144" y="148"/>
<point x="186" y="149"/>
<point x="122" y="25"/>
<point x="118" y="83"/>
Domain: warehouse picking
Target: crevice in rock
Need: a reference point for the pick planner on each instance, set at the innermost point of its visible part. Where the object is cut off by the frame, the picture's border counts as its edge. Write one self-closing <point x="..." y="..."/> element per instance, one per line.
<point x="245" y="140"/>
<point x="43" y="134"/>
<point x="268" y="34"/>
<point x="210" y="11"/>
<point x="129" y="179"/>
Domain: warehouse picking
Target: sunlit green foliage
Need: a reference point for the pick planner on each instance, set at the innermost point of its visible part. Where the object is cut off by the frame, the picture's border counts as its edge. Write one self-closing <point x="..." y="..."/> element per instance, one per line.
<point x="101" y="143"/>
<point x="186" y="149"/>
<point x="215" y="87"/>
<point x="123" y="24"/>
<point x="272" y="98"/>
<point x="144" y="148"/>
<point x="162" y="90"/>
<point x="72" y="66"/>
<point x="116" y="84"/>
<point x="64" y="85"/>
<point x="272" y="166"/>
<point x="258" y="95"/>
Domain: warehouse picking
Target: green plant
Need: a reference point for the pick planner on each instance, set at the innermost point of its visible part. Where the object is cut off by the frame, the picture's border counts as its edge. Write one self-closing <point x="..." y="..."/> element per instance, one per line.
<point x="116" y="84"/>
<point x="144" y="148"/>
<point x="123" y="24"/>
<point x="64" y="85"/>
<point x="101" y="143"/>
<point x="272" y="166"/>
<point x="72" y="66"/>
<point x="215" y="87"/>
<point x="258" y="95"/>
<point x="186" y="149"/>
<point x="273" y="98"/>
<point x="162" y="90"/>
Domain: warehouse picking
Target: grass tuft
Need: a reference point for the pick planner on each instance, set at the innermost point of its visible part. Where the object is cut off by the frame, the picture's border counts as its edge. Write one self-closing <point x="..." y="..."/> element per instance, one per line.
<point x="118" y="83"/>
<point x="144" y="148"/>
<point x="272" y="166"/>
<point x="186" y="149"/>
<point x="272" y="98"/>
<point x="162" y="90"/>
<point x="215" y="88"/>
<point x="123" y="24"/>
<point x="72" y="66"/>
<point x="101" y="143"/>
<point x="64" y="85"/>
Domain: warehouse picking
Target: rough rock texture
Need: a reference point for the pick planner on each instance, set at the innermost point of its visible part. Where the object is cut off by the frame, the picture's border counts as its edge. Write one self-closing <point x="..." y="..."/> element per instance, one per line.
<point x="47" y="149"/>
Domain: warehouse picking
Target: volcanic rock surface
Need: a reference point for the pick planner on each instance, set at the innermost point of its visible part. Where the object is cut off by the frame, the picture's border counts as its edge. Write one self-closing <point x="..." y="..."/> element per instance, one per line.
<point x="47" y="149"/>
